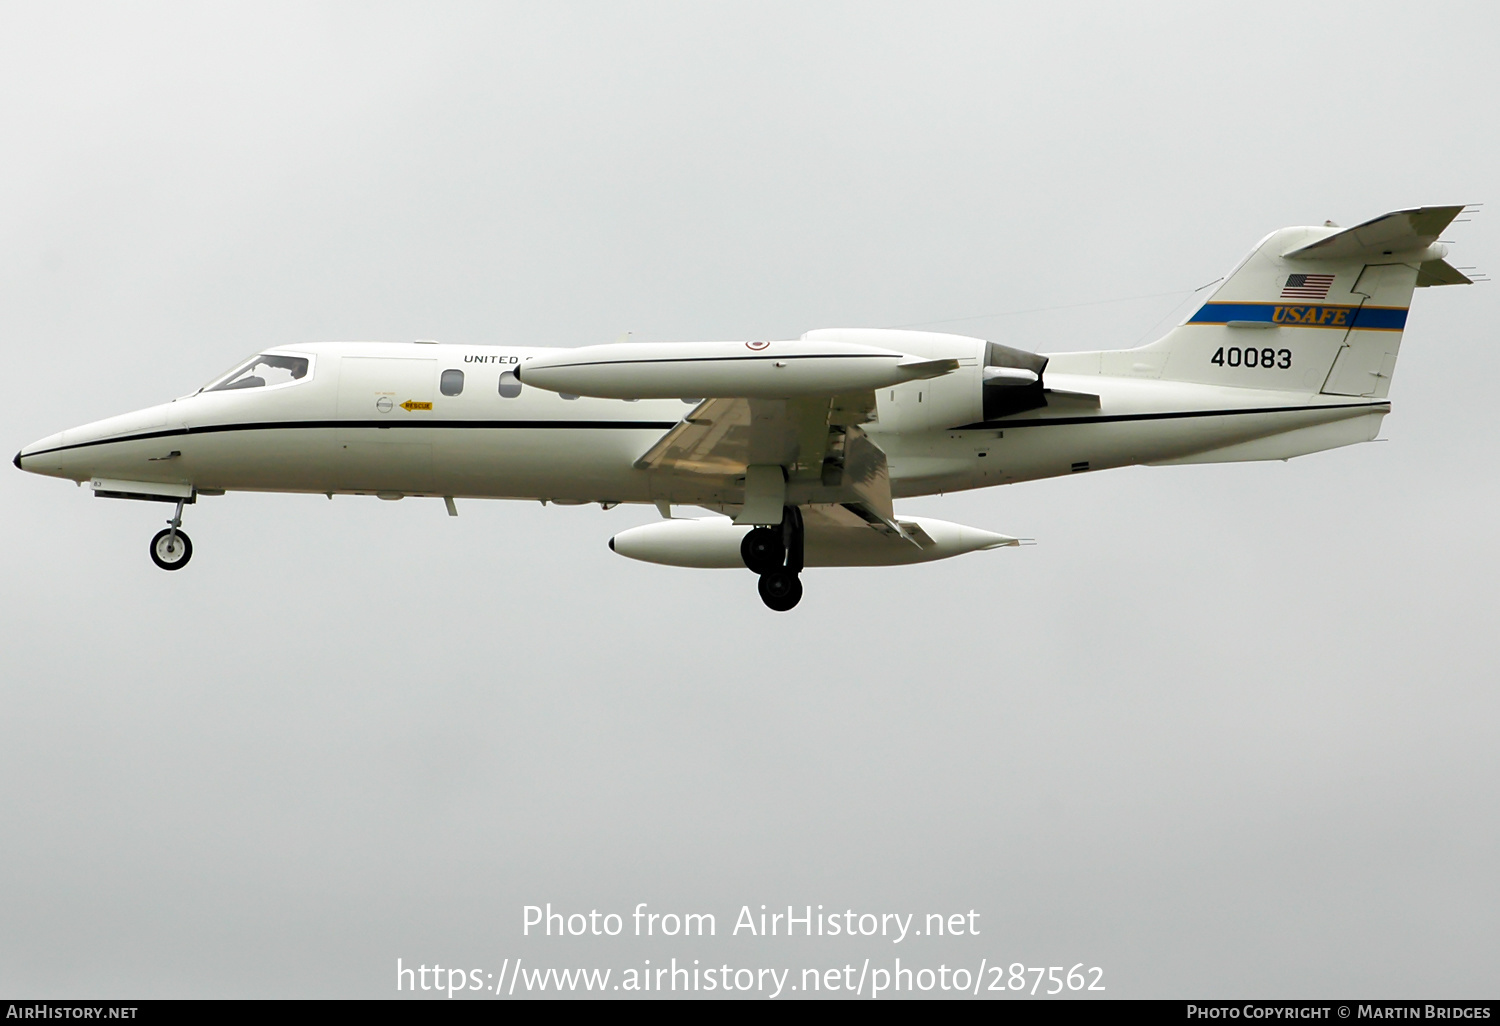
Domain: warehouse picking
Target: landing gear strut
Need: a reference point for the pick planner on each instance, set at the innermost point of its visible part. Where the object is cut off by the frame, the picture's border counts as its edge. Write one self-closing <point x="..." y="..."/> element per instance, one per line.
<point x="171" y="549"/>
<point x="775" y="553"/>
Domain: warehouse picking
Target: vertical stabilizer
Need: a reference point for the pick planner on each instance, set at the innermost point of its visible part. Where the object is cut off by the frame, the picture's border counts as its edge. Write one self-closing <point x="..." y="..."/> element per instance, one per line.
<point x="1309" y="310"/>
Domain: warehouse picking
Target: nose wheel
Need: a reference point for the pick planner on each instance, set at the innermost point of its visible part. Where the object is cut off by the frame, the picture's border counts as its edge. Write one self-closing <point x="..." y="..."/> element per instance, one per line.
<point x="775" y="554"/>
<point x="172" y="548"/>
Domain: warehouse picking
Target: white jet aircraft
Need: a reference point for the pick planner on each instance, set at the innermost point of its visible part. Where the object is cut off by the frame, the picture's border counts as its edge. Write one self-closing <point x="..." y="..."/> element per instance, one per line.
<point x="806" y="443"/>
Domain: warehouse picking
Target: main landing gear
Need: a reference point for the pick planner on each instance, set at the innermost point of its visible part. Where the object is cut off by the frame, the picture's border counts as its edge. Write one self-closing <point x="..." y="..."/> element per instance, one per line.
<point x="171" y="549"/>
<point x="775" y="553"/>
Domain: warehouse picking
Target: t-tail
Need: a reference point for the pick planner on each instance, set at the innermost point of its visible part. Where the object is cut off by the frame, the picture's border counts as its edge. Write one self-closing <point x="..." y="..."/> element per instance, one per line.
<point x="1312" y="310"/>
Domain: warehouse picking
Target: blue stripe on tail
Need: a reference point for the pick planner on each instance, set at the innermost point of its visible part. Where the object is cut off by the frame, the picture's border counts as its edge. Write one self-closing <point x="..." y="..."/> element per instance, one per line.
<point x="1303" y="315"/>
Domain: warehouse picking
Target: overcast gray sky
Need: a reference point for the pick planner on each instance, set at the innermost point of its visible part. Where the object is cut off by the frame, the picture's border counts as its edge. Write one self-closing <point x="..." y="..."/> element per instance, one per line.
<point x="1225" y="731"/>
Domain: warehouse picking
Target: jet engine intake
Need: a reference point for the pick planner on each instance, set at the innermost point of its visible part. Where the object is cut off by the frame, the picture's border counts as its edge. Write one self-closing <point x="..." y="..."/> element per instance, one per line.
<point x="1012" y="381"/>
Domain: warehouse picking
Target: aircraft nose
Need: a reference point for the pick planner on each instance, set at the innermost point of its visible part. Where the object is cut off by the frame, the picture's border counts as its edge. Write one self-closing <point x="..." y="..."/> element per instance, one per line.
<point x="26" y="458"/>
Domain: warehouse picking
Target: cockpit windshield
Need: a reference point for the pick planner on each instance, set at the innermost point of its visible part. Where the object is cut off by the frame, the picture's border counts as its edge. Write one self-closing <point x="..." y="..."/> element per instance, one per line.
<point x="263" y="370"/>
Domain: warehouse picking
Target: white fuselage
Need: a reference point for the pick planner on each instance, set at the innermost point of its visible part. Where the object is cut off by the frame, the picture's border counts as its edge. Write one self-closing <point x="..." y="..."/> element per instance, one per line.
<point x="385" y="419"/>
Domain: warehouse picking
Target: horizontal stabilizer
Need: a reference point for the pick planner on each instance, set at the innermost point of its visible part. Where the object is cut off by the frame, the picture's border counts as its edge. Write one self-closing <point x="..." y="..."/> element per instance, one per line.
<point x="1396" y="232"/>
<point x="1441" y="272"/>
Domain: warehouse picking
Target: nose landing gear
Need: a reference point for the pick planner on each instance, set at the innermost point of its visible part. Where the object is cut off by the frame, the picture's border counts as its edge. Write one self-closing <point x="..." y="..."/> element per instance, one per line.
<point x="172" y="548"/>
<point x="775" y="553"/>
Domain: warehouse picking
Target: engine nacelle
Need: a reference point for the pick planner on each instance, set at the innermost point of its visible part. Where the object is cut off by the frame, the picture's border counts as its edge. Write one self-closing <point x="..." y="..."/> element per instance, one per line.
<point x="993" y="380"/>
<point x="714" y="543"/>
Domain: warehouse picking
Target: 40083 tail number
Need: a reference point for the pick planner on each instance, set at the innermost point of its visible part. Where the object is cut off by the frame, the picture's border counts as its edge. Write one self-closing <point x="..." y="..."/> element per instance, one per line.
<point x="1234" y="356"/>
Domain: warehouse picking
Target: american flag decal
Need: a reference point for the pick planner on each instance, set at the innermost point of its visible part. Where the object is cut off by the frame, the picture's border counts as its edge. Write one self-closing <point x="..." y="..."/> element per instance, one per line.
<point x="1307" y="286"/>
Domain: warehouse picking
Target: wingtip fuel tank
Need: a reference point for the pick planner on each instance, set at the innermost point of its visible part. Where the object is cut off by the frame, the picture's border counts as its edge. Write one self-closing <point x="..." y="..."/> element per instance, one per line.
<point x="714" y="543"/>
<point x="753" y="370"/>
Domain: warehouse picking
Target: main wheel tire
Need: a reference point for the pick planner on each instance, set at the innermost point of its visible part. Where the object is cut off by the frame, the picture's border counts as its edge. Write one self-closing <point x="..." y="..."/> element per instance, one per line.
<point x="780" y="590"/>
<point x="171" y="553"/>
<point x="762" y="550"/>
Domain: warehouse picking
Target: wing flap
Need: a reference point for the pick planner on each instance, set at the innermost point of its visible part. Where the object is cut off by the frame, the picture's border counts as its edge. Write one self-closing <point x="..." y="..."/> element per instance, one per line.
<point x="724" y="436"/>
<point x="868" y="478"/>
<point x="817" y="443"/>
<point x="705" y="442"/>
<point x="855" y="521"/>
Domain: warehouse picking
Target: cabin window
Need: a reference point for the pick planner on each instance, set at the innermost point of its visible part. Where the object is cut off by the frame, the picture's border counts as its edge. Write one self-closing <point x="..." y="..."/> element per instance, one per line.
<point x="264" y="370"/>
<point x="510" y="385"/>
<point x="567" y="395"/>
<point x="452" y="382"/>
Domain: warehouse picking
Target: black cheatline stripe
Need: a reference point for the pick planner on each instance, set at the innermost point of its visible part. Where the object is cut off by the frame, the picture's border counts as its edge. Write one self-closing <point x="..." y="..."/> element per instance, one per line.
<point x="1180" y="415"/>
<point x="645" y="425"/>
<point x="711" y="359"/>
<point x="292" y="425"/>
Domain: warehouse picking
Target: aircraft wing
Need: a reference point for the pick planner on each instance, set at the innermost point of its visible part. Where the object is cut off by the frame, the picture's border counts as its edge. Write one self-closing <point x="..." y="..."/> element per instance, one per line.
<point x="815" y="443"/>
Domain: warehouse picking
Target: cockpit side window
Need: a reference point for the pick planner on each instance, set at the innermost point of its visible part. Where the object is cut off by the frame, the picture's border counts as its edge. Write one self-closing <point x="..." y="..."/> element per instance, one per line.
<point x="262" y="371"/>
